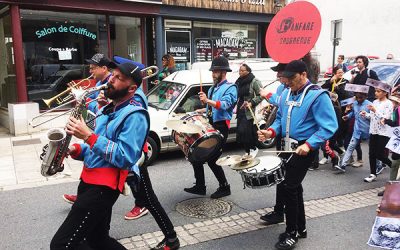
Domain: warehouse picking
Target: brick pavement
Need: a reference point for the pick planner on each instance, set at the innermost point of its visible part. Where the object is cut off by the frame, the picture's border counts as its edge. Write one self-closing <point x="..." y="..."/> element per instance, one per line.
<point x="226" y="226"/>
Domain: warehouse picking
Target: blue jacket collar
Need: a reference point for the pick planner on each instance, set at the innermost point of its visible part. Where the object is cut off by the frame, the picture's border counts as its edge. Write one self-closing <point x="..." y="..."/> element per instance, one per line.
<point x="221" y="83"/>
<point x="299" y="91"/>
<point x="106" y="79"/>
<point x="111" y="108"/>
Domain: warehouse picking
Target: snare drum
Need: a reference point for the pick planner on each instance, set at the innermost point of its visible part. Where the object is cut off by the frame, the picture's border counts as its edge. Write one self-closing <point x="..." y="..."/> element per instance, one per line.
<point x="266" y="174"/>
<point x="199" y="147"/>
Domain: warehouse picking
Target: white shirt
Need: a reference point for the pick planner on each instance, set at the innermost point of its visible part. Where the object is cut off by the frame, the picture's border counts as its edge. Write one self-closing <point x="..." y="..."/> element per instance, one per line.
<point x="384" y="109"/>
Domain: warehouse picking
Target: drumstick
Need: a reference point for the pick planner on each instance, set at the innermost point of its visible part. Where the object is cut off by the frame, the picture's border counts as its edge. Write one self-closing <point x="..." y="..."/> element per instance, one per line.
<point x="254" y="117"/>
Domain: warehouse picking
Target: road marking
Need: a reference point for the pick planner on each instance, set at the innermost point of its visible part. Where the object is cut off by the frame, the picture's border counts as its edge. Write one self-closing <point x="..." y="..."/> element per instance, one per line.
<point x="222" y="227"/>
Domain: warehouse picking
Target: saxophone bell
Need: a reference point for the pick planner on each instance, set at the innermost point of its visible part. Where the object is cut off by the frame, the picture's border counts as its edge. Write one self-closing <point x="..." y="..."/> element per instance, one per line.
<point x="52" y="151"/>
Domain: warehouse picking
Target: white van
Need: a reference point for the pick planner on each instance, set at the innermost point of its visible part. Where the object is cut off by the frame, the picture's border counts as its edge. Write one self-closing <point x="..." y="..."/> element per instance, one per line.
<point x="183" y="86"/>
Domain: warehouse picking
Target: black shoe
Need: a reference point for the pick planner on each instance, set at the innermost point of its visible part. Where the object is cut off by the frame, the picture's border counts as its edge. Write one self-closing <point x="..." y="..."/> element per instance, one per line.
<point x="314" y="166"/>
<point x="222" y="191"/>
<point x="381" y="193"/>
<point x="272" y="218"/>
<point x="301" y="234"/>
<point x="288" y="241"/>
<point x="200" y="190"/>
<point x="167" y="244"/>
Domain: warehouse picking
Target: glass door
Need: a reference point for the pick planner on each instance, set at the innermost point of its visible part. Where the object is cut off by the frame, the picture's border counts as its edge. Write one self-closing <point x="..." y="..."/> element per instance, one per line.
<point x="178" y="44"/>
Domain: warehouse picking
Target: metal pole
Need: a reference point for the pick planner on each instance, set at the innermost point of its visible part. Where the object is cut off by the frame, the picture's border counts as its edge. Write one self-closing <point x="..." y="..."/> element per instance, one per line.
<point x="334" y="46"/>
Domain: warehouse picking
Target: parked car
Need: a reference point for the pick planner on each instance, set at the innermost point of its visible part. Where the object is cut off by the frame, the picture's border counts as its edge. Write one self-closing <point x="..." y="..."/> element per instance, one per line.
<point x="178" y="92"/>
<point x="350" y="63"/>
<point x="387" y="71"/>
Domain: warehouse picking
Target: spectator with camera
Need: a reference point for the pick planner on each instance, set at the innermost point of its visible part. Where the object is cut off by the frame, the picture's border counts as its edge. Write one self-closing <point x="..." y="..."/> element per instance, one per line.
<point x="362" y="73"/>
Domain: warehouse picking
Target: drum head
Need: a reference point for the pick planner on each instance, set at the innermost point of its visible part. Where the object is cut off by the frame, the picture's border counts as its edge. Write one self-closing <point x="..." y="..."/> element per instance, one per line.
<point x="205" y="148"/>
<point x="267" y="163"/>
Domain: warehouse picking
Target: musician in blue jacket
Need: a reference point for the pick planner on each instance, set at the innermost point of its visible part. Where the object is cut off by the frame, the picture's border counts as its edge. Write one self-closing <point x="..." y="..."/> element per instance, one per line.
<point x="108" y="154"/>
<point x="305" y="119"/>
<point x="98" y="67"/>
<point x="276" y="216"/>
<point x="220" y="101"/>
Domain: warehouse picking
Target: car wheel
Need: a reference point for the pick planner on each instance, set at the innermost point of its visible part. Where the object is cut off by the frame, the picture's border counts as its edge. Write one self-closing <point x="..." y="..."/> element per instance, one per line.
<point x="266" y="144"/>
<point x="153" y="150"/>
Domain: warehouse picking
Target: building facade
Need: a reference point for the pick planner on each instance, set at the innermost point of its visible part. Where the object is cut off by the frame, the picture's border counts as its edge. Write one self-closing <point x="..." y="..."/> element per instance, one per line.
<point x="43" y="44"/>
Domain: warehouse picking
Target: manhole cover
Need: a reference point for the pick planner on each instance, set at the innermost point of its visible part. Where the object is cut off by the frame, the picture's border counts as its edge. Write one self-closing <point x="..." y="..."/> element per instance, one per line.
<point x="203" y="208"/>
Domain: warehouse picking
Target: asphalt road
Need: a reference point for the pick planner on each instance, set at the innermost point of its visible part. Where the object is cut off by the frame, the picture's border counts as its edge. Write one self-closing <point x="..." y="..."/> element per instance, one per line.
<point x="30" y="217"/>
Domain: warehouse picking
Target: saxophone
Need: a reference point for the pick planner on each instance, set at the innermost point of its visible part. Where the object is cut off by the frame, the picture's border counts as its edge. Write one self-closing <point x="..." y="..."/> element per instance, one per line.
<point x="56" y="150"/>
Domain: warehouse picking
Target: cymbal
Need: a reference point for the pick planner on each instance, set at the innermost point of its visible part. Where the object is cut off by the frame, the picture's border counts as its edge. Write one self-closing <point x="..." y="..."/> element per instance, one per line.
<point x="183" y="126"/>
<point x="229" y="160"/>
<point x="245" y="164"/>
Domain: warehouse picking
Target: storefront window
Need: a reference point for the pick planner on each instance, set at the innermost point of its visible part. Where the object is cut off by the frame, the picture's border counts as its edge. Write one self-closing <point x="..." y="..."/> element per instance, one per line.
<point x="55" y="47"/>
<point x="8" y="89"/>
<point x="234" y="40"/>
<point x="178" y="46"/>
<point x="125" y="36"/>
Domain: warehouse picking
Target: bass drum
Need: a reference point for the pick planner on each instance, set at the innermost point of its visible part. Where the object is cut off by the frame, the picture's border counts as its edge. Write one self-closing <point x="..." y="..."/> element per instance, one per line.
<point x="199" y="147"/>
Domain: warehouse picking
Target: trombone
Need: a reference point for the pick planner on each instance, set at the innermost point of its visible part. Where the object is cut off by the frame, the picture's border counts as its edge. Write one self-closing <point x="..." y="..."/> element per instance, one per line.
<point x="147" y="72"/>
<point x="58" y="98"/>
<point x="76" y="94"/>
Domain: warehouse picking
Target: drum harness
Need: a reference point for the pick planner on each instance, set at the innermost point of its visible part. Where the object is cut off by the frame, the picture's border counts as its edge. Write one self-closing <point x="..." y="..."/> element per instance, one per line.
<point x="289" y="142"/>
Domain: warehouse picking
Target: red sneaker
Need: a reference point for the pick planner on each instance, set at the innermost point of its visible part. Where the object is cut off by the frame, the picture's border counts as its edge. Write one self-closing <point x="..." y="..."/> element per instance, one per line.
<point x="70" y="198"/>
<point x="136" y="213"/>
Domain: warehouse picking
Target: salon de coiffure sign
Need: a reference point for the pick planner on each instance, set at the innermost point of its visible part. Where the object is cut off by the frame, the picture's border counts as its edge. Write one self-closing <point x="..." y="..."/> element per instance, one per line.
<point x="258" y="6"/>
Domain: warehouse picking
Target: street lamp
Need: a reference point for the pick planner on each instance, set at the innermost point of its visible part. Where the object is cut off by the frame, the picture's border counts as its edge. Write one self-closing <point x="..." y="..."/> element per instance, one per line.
<point x="336" y="35"/>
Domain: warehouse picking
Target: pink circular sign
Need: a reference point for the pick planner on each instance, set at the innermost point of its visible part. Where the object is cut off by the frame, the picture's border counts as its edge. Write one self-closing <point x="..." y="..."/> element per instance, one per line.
<point x="293" y="31"/>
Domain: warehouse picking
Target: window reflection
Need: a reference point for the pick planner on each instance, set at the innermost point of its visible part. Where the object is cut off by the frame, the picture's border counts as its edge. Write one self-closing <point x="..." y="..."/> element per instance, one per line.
<point x="8" y="90"/>
<point x="55" y="47"/>
<point x="163" y="95"/>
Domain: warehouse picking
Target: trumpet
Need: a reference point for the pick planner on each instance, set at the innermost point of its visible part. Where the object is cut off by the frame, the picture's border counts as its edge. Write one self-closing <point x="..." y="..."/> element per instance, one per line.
<point x="59" y="97"/>
<point x="78" y="94"/>
<point x="60" y="100"/>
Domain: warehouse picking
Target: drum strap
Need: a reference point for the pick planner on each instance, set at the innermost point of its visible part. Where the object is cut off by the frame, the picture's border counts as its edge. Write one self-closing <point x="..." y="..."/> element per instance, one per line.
<point x="292" y="104"/>
<point x="209" y="109"/>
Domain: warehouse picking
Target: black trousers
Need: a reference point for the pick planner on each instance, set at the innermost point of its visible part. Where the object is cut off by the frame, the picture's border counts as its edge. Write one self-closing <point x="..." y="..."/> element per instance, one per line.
<point x="133" y="182"/>
<point x="279" y="202"/>
<point x="145" y="197"/>
<point x="219" y="173"/>
<point x="89" y="219"/>
<point x="246" y="133"/>
<point x="377" y="151"/>
<point x="292" y="189"/>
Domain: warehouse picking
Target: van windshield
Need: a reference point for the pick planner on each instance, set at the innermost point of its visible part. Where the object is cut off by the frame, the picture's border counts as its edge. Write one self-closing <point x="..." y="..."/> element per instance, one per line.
<point x="164" y="94"/>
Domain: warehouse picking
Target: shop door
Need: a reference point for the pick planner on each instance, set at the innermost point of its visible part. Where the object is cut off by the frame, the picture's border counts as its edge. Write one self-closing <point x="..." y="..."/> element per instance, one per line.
<point x="178" y="44"/>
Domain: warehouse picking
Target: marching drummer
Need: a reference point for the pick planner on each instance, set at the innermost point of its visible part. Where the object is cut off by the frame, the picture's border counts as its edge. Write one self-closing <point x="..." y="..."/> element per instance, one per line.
<point x="305" y="120"/>
<point x="277" y="215"/>
<point x="220" y="101"/>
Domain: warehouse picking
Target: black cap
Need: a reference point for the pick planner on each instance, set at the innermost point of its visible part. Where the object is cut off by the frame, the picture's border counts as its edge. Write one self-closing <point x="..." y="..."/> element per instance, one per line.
<point x="279" y="67"/>
<point x="99" y="60"/>
<point x="220" y="63"/>
<point x="294" y="67"/>
<point x="129" y="70"/>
